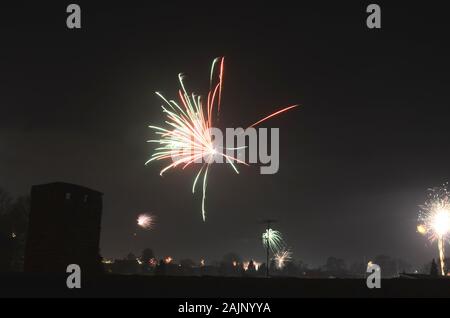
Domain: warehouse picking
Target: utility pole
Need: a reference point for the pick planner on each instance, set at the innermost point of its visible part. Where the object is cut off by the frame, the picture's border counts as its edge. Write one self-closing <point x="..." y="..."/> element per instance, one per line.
<point x="268" y="222"/>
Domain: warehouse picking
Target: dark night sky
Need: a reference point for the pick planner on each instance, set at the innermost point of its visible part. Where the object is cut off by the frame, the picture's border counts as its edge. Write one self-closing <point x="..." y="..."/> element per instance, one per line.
<point x="372" y="134"/>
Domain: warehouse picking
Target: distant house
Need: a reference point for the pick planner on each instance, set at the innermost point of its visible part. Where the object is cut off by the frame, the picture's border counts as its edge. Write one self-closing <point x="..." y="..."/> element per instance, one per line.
<point x="64" y="228"/>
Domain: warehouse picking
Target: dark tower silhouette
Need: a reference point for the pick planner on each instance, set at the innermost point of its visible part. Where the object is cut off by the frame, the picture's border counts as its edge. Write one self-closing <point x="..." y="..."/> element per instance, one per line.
<point x="64" y="229"/>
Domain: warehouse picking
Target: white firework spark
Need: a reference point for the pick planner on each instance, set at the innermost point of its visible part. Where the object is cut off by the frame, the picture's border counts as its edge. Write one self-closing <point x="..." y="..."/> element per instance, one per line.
<point x="281" y="258"/>
<point x="146" y="221"/>
<point x="434" y="219"/>
<point x="273" y="240"/>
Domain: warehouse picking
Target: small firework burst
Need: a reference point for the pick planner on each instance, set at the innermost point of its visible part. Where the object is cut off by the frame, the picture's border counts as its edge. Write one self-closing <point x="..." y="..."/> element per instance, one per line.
<point x="146" y="221"/>
<point x="168" y="259"/>
<point x="152" y="262"/>
<point x="281" y="258"/>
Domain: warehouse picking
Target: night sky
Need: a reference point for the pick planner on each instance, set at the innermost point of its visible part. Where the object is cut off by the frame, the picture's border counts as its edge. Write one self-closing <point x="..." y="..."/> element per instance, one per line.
<point x="355" y="160"/>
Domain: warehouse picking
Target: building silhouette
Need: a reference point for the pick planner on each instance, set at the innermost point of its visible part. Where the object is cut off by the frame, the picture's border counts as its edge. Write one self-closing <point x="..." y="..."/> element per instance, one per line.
<point x="64" y="228"/>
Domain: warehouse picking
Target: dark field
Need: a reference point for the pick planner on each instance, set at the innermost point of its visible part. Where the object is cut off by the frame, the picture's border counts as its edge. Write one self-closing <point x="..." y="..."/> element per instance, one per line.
<point x="23" y="285"/>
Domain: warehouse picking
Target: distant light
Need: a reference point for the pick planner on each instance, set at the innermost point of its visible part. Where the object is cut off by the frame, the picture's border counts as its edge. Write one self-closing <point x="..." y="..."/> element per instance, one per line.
<point x="153" y="262"/>
<point x="13" y="235"/>
<point x="255" y="263"/>
<point x="168" y="260"/>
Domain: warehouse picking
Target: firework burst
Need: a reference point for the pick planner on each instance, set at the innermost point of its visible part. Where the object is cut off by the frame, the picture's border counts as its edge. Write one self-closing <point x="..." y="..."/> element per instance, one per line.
<point x="187" y="139"/>
<point x="146" y="221"/>
<point x="434" y="219"/>
<point x="168" y="259"/>
<point x="273" y="240"/>
<point x="282" y="257"/>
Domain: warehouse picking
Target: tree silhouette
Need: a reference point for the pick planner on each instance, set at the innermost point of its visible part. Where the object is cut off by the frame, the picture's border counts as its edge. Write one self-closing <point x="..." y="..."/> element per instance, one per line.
<point x="6" y="252"/>
<point x="5" y="202"/>
<point x="251" y="269"/>
<point x="146" y="257"/>
<point x="186" y="266"/>
<point x="434" y="269"/>
<point x="291" y="269"/>
<point x="302" y="266"/>
<point x="272" y="265"/>
<point x="358" y="269"/>
<point x="5" y="213"/>
<point x="161" y="269"/>
<point x="403" y="266"/>
<point x="231" y="257"/>
<point x="389" y="267"/>
<point x="335" y="265"/>
<point x="187" y="263"/>
<point x="262" y="269"/>
<point x="14" y="216"/>
<point x="20" y="212"/>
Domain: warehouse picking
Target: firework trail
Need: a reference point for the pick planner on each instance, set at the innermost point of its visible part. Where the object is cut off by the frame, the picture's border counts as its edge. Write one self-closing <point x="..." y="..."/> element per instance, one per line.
<point x="273" y="240"/>
<point x="146" y="221"/>
<point x="282" y="257"/>
<point x="187" y="137"/>
<point x="434" y="219"/>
